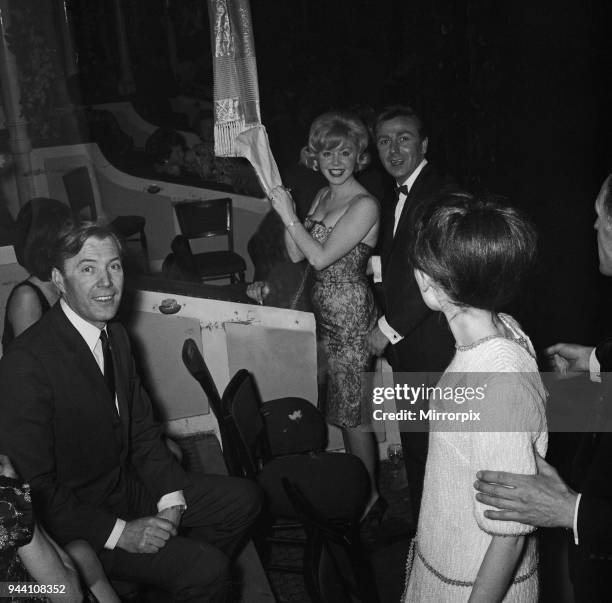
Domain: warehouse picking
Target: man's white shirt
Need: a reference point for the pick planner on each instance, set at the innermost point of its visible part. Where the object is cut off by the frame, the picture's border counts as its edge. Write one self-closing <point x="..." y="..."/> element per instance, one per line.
<point x="391" y="334"/>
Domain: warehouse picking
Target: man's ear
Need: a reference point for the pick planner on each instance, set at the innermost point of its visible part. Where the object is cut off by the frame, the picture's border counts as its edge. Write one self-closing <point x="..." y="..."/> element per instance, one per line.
<point x="58" y="280"/>
<point x="424" y="144"/>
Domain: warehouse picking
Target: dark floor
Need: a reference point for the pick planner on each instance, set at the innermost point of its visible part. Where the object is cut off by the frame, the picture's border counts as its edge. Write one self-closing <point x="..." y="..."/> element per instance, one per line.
<point x="388" y="547"/>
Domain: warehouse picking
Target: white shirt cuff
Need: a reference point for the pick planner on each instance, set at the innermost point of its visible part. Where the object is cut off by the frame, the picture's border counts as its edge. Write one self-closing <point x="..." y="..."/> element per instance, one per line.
<point x="391" y="334"/>
<point x="172" y="499"/>
<point x="112" y="540"/>
<point x="594" y="367"/>
<point x="376" y="268"/>
<point x="575" y="524"/>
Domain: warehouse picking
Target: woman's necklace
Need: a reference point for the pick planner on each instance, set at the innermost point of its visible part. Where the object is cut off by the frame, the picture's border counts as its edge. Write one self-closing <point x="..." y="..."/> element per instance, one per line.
<point x="470" y="346"/>
<point x="474" y="344"/>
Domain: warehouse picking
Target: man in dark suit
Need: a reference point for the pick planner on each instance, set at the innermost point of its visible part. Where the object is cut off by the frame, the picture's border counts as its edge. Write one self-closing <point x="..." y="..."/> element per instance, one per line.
<point x="416" y="339"/>
<point x="79" y="427"/>
<point x="583" y="505"/>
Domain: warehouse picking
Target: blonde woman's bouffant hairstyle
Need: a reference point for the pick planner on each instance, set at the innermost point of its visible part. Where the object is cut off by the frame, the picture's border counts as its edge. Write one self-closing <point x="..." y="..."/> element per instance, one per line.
<point x="329" y="131"/>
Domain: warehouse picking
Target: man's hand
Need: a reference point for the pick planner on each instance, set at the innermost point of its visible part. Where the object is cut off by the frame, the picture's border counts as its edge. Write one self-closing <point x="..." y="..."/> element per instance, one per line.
<point x="542" y="500"/>
<point x="376" y="341"/>
<point x="569" y="357"/>
<point x="172" y="514"/>
<point x="6" y="467"/>
<point x="146" y="535"/>
<point x="258" y="290"/>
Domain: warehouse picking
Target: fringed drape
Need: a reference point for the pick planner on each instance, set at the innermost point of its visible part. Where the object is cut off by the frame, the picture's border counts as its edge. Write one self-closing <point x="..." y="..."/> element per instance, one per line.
<point x="236" y="92"/>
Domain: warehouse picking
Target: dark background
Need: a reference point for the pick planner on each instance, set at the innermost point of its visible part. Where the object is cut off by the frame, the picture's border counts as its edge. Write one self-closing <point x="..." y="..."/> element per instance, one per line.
<point x="517" y="96"/>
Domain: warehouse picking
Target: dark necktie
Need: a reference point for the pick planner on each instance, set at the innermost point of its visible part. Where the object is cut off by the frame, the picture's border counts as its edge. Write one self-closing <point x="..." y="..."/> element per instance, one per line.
<point x="109" y="371"/>
<point x="401" y="189"/>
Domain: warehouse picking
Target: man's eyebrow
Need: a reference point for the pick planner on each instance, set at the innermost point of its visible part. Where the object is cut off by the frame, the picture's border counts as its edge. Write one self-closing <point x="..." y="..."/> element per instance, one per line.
<point x="94" y="261"/>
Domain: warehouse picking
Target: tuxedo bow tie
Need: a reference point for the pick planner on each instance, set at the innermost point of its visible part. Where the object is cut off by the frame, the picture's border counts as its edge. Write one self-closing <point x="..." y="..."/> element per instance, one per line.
<point x="401" y="190"/>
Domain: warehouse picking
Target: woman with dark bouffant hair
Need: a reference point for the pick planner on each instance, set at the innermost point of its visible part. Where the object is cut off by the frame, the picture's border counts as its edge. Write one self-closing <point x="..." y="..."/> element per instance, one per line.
<point x="39" y="225"/>
<point x="470" y="257"/>
<point x="337" y="239"/>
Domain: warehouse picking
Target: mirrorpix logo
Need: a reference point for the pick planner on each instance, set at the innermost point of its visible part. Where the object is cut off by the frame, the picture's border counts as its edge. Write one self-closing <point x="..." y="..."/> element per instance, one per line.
<point x="412" y="395"/>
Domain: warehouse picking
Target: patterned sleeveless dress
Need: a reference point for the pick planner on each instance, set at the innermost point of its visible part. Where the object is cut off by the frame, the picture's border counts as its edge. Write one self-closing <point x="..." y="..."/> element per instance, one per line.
<point x="344" y="307"/>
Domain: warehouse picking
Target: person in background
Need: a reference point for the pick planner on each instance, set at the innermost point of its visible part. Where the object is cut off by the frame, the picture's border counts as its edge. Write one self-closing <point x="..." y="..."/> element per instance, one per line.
<point x="413" y="337"/>
<point x="39" y="225"/>
<point x="470" y="258"/>
<point x="583" y="502"/>
<point x="336" y="239"/>
<point x="166" y="148"/>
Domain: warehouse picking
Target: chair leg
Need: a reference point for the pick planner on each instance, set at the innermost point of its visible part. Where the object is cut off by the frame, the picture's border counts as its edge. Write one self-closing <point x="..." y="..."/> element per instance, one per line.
<point x="311" y="566"/>
<point x="365" y="579"/>
<point x="241" y="277"/>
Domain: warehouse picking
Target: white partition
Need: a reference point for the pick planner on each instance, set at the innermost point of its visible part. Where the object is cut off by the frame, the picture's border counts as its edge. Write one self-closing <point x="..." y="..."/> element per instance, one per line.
<point x="293" y="371"/>
<point x="132" y="124"/>
<point x="117" y="193"/>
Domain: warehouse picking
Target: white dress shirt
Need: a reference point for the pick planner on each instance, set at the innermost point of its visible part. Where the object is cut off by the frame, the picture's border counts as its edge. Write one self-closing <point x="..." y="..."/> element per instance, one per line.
<point x="595" y="375"/>
<point x="91" y="335"/>
<point x="391" y="334"/>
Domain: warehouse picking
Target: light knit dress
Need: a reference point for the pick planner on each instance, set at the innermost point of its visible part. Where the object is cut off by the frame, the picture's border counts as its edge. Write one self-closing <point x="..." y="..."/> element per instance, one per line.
<point x="453" y="535"/>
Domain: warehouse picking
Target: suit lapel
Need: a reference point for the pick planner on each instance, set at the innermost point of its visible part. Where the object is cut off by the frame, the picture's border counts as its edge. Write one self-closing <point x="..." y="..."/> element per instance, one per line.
<point x="85" y="364"/>
<point x="416" y="190"/>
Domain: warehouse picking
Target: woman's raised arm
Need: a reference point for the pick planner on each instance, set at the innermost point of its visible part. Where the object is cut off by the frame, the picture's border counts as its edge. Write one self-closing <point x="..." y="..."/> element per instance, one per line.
<point x="358" y="220"/>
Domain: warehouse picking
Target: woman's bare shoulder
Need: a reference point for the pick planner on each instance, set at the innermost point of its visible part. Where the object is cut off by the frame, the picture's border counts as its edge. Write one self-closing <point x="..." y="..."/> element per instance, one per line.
<point x="365" y="201"/>
<point x="24" y="294"/>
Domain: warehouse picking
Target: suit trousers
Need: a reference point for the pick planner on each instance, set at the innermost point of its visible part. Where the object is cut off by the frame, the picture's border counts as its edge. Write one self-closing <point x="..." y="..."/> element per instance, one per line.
<point x="414" y="437"/>
<point x="194" y="565"/>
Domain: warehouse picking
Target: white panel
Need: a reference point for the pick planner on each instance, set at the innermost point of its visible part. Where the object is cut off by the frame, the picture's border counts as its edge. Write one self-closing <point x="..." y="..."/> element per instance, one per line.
<point x="158" y="342"/>
<point x="283" y="361"/>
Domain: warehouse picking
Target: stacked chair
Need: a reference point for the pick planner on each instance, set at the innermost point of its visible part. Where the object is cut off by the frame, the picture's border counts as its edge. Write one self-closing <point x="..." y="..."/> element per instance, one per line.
<point x="280" y="444"/>
<point x="208" y="219"/>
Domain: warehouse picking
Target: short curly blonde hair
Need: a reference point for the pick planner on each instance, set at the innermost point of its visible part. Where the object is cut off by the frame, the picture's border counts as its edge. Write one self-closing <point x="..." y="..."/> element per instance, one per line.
<point x="329" y="131"/>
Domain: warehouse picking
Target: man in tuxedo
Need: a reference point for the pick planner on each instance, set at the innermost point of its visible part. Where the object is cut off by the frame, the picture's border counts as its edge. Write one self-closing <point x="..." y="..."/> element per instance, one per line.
<point x="582" y="503"/>
<point x="415" y="338"/>
<point x="80" y="428"/>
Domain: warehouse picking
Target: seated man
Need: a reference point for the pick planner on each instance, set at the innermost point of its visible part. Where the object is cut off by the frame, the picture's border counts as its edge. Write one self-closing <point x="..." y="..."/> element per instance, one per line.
<point x="80" y="428"/>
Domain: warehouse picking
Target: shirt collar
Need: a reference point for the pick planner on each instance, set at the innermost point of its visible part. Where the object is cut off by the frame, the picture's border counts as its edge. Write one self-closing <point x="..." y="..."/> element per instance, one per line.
<point x="88" y="332"/>
<point x="410" y="180"/>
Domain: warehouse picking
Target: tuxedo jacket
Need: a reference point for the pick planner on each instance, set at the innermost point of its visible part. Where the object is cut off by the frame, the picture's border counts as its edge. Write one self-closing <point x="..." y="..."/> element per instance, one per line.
<point x="428" y="344"/>
<point x="85" y="465"/>
<point x="591" y="561"/>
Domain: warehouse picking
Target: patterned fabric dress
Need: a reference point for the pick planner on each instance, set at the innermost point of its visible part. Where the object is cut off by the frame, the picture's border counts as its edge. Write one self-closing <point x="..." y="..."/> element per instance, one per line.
<point x="345" y="310"/>
<point x="16" y="530"/>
